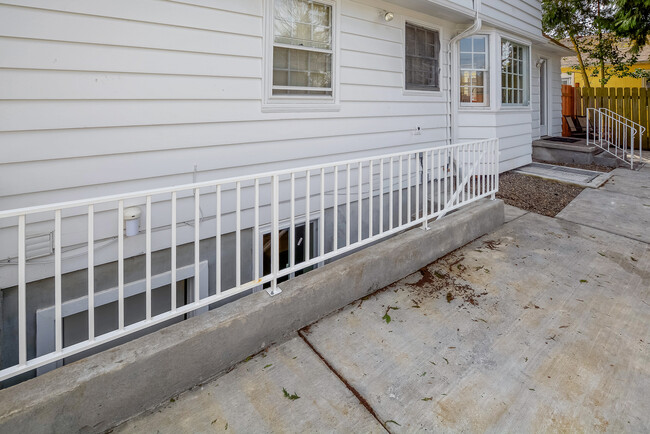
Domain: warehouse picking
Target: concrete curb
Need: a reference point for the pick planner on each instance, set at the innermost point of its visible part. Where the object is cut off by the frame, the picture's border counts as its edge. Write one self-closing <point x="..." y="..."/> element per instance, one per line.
<point x="101" y="391"/>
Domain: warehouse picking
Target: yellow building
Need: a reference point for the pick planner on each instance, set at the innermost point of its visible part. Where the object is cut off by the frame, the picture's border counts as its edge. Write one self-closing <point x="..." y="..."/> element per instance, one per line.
<point x="572" y="76"/>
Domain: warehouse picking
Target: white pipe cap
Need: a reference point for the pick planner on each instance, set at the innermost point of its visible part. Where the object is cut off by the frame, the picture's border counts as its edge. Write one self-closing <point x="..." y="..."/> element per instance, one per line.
<point x="132" y="213"/>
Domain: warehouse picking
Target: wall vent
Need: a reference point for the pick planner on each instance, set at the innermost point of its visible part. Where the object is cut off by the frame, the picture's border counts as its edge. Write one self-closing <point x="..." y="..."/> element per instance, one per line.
<point x="39" y="245"/>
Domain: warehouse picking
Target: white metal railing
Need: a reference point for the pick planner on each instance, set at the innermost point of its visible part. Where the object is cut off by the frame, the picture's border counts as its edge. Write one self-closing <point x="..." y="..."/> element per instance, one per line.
<point x="392" y="193"/>
<point x="615" y="134"/>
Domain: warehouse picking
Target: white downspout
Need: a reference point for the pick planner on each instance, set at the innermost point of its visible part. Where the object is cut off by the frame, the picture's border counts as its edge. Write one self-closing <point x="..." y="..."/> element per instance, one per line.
<point x="476" y="26"/>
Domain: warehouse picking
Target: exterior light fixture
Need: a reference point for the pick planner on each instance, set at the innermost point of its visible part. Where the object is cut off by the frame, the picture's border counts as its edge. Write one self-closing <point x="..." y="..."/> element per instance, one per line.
<point x="132" y="220"/>
<point x="539" y="63"/>
<point x="388" y="16"/>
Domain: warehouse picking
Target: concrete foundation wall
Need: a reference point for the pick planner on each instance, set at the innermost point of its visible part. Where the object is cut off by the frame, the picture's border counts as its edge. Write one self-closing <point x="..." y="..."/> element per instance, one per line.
<point x="96" y="393"/>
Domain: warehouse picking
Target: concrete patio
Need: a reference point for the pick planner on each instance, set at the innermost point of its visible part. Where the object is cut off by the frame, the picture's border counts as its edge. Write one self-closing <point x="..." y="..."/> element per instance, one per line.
<point x="542" y="325"/>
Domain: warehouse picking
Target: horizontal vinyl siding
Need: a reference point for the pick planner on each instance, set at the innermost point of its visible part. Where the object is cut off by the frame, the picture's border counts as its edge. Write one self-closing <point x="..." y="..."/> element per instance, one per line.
<point x="514" y="14"/>
<point x="107" y="97"/>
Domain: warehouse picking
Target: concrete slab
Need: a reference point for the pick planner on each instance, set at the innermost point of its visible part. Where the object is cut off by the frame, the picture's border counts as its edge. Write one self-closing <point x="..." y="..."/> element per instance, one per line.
<point x="250" y="399"/>
<point x="630" y="182"/>
<point x="545" y="328"/>
<point x="570" y="175"/>
<point x="512" y="212"/>
<point x="612" y="212"/>
<point x="101" y="391"/>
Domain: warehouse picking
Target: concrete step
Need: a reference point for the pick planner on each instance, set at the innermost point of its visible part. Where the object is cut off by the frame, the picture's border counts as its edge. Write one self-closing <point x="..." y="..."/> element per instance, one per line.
<point x="608" y="160"/>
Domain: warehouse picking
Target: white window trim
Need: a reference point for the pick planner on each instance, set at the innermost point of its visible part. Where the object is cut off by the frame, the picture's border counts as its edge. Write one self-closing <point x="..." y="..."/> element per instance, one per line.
<point x="295" y="103"/>
<point x="442" y="53"/>
<point x="487" y="76"/>
<point x="528" y="87"/>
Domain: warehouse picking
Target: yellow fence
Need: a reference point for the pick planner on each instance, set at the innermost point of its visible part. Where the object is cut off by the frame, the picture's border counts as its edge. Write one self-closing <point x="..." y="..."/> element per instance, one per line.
<point x="629" y="102"/>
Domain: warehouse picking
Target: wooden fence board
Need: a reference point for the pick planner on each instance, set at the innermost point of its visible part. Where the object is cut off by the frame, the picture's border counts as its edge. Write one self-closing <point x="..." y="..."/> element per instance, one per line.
<point x="633" y="103"/>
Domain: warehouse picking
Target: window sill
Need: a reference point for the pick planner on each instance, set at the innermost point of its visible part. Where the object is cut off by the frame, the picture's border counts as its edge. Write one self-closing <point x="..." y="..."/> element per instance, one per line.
<point x="297" y="107"/>
<point x="429" y="93"/>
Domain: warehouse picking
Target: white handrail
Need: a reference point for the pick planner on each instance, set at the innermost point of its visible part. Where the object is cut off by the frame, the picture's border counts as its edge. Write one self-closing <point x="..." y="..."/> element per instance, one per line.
<point x="427" y="183"/>
<point x="615" y="131"/>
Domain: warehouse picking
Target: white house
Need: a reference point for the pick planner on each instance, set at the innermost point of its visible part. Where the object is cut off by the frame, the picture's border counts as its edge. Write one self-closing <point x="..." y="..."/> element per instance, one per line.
<point x="105" y="98"/>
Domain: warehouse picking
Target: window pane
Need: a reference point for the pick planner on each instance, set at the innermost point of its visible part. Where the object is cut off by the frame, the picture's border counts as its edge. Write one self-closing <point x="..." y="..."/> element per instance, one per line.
<point x="300" y="22"/>
<point x="479" y="44"/>
<point x="465" y="94"/>
<point x="477" y="94"/>
<point x="299" y="60"/>
<point x="479" y="61"/>
<point x="466" y="45"/>
<point x="465" y="61"/>
<point x="280" y="58"/>
<point x="478" y="78"/>
<point x="465" y="78"/>
<point x="320" y="14"/>
<point x="280" y="78"/>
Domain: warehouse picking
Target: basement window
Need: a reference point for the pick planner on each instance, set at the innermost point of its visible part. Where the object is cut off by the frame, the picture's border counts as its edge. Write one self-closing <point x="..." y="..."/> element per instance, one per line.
<point x="287" y="248"/>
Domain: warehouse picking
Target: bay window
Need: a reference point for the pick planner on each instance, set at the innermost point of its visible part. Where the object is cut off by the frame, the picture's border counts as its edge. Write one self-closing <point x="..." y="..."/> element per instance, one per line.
<point x="302" y="48"/>
<point x="474" y="70"/>
<point x="515" y="73"/>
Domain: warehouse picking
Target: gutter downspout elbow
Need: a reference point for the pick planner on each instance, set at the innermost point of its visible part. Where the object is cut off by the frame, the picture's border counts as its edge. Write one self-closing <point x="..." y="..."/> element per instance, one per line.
<point x="475" y="27"/>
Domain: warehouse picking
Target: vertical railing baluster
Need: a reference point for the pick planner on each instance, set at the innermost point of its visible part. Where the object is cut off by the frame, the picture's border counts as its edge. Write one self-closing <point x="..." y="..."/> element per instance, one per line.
<point x="148" y="258"/>
<point x="321" y="223"/>
<point x="425" y="213"/>
<point x="218" y="240"/>
<point x="417" y="185"/>
<point x="360" y="202"/>
<point x="446" y="174"/>
<point x="371" y="193"/>
<point x="275" y="235"/>
<point x="335" y="220"/>
<point x="91" y="272"/>
<point x="22" y="293"/>
<point x="173" y="252"/>
<point x="120" y="264"/>
<point x="238" y="234"/>
<point x="400" y="207"/>
<point x="408" y="188"/>
<point x="197" y="244"/>
<point x="347" y="205"/>
<point x="292" y="223"/>
<point x="496" y="169"/>
<point x="307" y="255"/>
<point x="256" y="231"/>
<point x="391" y="202"/>
<point x="439" y="167"/>
<point x="381" y="195"/>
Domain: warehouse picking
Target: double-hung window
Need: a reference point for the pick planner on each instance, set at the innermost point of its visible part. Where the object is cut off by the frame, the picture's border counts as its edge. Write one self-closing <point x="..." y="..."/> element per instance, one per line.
<point x="515" y="72"/>
<point x="422" y="58"/>
<point x="474" y="70"/>
<point x="302" y="48"/>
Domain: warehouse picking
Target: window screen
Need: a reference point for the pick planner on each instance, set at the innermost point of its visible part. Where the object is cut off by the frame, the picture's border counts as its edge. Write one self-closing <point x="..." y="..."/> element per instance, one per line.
<point x="422" y="58"/>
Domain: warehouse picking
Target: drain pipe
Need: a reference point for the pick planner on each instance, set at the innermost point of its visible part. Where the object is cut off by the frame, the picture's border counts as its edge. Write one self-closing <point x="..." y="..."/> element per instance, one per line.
<point x="467" y="32"/>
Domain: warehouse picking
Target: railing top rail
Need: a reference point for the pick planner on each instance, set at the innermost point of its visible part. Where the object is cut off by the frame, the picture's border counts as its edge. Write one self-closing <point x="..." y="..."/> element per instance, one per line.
<point x="211" y="183"/>
<point x="610" y="113"/>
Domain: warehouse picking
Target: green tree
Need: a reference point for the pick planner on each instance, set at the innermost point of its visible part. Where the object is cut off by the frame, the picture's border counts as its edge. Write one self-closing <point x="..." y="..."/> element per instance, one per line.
<point x="606" y="34"/>
<point x="570" y="19"/>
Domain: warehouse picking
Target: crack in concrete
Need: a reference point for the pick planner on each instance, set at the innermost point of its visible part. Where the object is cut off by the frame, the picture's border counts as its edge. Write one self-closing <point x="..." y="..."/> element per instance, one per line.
<point x="343" y="380"/>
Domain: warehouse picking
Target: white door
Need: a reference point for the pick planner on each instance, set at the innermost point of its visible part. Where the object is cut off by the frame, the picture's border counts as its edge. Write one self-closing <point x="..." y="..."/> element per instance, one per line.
<point x="543" y="99"/>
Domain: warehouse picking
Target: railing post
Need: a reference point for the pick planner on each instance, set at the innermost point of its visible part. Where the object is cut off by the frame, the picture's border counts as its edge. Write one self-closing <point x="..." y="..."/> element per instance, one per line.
<point x="425" y="181"/>
<point x="275" y="236"/>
